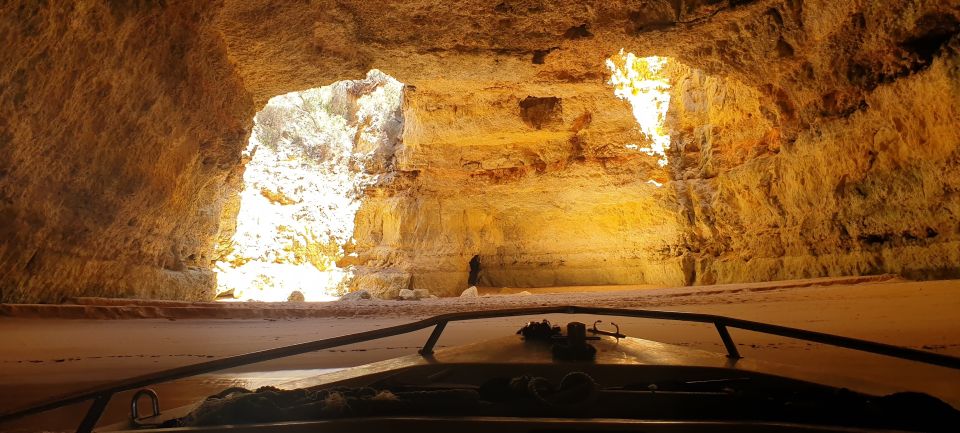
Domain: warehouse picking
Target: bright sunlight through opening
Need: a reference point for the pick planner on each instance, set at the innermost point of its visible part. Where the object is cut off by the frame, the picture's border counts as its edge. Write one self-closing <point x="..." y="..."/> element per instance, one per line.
<point x="308" y="168"/>
<point x="641" y="81"/>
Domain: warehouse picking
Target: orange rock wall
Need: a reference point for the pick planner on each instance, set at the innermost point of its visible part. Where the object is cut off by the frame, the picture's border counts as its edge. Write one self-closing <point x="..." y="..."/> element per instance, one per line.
<point x="121" y="127"/>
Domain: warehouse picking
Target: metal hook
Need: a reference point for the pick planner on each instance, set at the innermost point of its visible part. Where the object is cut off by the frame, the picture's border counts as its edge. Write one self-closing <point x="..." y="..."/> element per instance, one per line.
<point x="615" y="334"/>
<point x="134" y="402"/>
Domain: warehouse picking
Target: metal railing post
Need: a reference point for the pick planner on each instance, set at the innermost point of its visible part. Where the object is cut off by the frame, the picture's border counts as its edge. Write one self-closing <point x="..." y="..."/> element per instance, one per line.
<point x="432" y="341"/>
<point x="732" y="351"/>
<point x="92" y="417"/>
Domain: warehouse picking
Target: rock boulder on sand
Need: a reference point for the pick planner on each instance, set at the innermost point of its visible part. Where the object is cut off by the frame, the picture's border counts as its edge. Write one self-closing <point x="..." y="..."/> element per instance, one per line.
<point x="415" y="294"/>
<point x="296" y="296"/>
<point x="356" y="296"/>
<point x="470" y="293"/>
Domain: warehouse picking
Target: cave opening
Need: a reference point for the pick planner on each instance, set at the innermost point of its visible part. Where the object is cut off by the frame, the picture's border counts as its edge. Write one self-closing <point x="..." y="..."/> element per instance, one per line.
<point x="309" y="159"/>
<point x="645" y="83"/>
<point x="396" y="214"/>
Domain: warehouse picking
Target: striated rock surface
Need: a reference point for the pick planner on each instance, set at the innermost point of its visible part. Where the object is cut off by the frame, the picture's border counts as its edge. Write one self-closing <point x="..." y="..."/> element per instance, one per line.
<point x="810" y="138"/>
<point x="867" y="192"/>
<point x="560" y="205"/>
<point x="121" y="130"/>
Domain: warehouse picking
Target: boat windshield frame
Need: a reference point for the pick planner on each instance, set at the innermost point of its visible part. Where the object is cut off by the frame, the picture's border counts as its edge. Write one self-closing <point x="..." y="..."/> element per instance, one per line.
<point x="101" y="395"/>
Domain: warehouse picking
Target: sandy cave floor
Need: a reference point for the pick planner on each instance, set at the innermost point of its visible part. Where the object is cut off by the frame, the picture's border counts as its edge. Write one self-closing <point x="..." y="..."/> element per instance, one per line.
<point x="42" y="357"/>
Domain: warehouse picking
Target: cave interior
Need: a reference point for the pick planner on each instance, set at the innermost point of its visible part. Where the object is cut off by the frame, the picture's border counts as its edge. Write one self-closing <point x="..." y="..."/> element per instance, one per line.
<point x="789" y="139"/>
<point x="794" y="162"/>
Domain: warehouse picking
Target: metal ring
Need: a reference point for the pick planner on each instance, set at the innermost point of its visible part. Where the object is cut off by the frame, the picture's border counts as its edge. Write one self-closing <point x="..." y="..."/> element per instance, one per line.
<point x="154" y="402"/>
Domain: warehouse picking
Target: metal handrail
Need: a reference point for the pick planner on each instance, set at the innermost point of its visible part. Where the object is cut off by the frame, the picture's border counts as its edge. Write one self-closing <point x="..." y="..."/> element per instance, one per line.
<point x="101" y="395"/>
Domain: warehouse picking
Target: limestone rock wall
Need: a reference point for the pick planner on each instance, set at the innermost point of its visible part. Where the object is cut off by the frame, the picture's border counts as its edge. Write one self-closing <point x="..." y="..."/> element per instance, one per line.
<point x="816" y="137"/>
<point x="840" y="158"/>
<point x="544" y="196"/>
<point x="121" y="130"/>
<point x="872" y="192"/>
<point x="793" y="157"/>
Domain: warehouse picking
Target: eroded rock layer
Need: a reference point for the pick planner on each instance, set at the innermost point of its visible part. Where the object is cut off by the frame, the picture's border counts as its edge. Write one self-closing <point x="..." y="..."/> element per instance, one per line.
<point x="811" y="138"/>
<point x="544" y="196"/>
<point x="121" y="130"/>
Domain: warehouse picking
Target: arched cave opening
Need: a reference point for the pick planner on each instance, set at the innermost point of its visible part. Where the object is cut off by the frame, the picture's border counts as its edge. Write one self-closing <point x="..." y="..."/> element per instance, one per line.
<point x="570" y="191"/>
<point x="310" y="157"/>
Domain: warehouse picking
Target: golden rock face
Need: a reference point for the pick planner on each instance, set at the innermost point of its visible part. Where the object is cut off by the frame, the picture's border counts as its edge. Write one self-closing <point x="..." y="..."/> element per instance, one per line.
<point x="121" y="137"/>
<point x="809" y="138"/>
